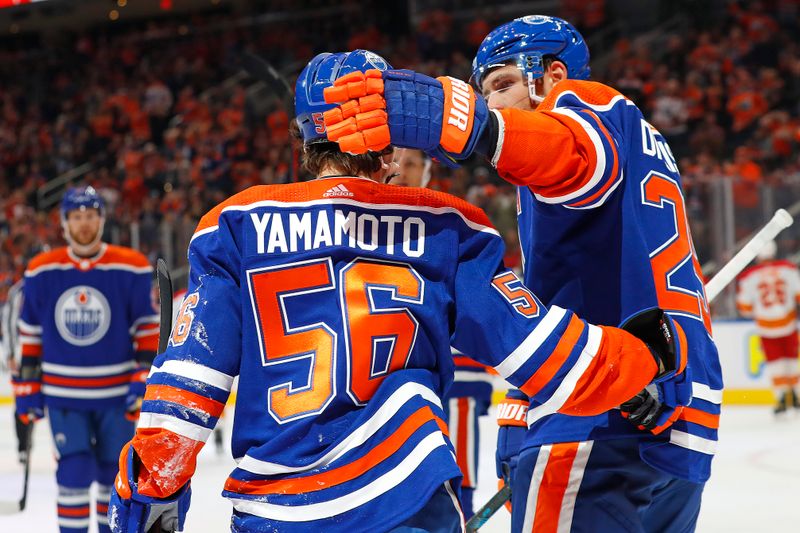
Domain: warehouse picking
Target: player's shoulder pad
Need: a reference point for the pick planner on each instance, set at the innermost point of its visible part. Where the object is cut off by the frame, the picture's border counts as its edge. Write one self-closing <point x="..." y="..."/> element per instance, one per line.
<point x="252" y="195"/>
<point x="54" y="256"/>
<point x="126" y="256"/>
<point x="583" y="93"/>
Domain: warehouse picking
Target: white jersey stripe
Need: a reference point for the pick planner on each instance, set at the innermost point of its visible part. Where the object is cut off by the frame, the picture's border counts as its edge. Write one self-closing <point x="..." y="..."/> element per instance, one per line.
<point x="175" y="425"/>
<point x="567" y="386"/>
<point x="501" y="137"/>
<point x="105" y="266"/>
<point x="466" y="375"/>
<point x="533" y="490"/>
<point x="85" y="394"/>
<point x="75" y="523"/>
<point x="470" y="429"/>
<point x="336" y="506"/>
<point x="87" y="371"/>
<point x="704" y="392"/>
<point x="28" y="329"/>
<point x="74" y="499"/>
<point x="693" y="442"/>
<point x="573" y="485"/>
<point x="28" y="339"/>
<point x="533" y="342"/>
<point x="358" y="437"/>
<point x="195" y="371"/>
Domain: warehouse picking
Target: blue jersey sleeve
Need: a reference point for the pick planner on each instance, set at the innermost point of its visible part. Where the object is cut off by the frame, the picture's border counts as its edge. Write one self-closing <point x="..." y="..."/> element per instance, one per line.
<point x="557" y="359"/>
<point x="190" y="382"/>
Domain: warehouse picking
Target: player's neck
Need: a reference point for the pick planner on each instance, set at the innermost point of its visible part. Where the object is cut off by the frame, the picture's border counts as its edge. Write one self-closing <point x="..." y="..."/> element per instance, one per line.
<point x="87" y="253"/>
<point x="329" y="171"/>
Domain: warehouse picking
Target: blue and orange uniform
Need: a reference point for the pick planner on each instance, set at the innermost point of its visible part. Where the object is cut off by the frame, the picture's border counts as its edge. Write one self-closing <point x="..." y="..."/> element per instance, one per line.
<point x="89" y="328"/>
<point x="336" y="302"/>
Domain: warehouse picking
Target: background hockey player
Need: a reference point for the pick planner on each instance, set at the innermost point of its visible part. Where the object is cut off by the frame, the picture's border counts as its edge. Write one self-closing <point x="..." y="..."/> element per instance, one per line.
<point x="88" y="334"/>
<point x="470" y="395"/>
<point x="603" y="230"/>
<point x="10" y="350"/>
<point x="769" y="292"/>
<point x="335" y="302"/>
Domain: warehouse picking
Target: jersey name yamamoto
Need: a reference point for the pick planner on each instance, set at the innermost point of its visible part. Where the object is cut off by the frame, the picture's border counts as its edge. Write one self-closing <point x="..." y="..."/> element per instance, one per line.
<point x="608" y="242"/>
<point x="86" y="319"/>
<point x="335" y="301"/>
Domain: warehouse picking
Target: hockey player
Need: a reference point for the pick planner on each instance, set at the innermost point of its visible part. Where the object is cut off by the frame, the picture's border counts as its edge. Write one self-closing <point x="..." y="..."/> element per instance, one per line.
<point x="603" y="231"/>
<point x="9" y="342"/>
<point x="336" y="301"/>
<point x="470" y="395"/>
<point x="769" y="292"/>
<point x="88" y="334"/>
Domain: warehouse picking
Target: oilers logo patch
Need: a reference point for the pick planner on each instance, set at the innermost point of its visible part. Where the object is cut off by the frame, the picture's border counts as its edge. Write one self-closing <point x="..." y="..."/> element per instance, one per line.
<point x="376" y="61"/>
<point x="82" y="315"/>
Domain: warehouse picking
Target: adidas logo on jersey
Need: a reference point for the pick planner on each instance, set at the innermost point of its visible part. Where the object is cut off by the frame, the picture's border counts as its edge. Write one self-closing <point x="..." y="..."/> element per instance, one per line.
<point x="337" y="191"/>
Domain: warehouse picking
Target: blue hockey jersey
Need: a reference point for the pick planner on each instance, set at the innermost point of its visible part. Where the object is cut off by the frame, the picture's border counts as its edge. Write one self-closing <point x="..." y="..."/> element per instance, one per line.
<point x="336" y="302"/>
<point x="88" y="321"/>
<point x="604" y="232"/>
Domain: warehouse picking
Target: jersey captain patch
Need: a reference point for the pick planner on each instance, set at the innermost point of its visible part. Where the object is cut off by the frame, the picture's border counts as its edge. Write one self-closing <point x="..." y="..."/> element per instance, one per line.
<point x="82" y="315"/>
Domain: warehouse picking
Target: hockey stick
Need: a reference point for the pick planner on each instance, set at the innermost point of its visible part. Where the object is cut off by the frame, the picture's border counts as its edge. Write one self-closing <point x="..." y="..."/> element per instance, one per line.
<point x="781" y="220"/>
<point x="260" y="69"/>
<point x="164" y="330"/>
<point x="16" y="507"/>
<point x="165" y="304"/>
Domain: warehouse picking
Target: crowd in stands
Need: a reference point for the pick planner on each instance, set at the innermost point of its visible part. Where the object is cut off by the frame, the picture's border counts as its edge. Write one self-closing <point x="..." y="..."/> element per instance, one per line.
<point x="169" y="126"/>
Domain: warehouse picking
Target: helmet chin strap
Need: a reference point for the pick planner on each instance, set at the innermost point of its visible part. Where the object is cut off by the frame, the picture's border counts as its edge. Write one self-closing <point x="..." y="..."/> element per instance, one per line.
<point x="532" y="90"/>
<point x="82" y="249"/>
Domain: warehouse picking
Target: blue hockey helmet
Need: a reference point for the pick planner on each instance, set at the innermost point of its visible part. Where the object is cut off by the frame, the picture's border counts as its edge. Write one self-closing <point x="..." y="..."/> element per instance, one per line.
<point x="526" y="41"/>
<point x="321" y="72"/>
<point x="81" y="198"/>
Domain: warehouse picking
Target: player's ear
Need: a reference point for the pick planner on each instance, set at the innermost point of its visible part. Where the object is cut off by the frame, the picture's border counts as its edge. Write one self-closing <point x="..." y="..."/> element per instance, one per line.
<point x="557" y="71"/>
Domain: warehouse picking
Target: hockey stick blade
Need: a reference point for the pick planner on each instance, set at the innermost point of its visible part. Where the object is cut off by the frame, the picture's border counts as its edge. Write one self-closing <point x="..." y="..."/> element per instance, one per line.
<point x="489" y="508"/>
<point x="165" y="304"/>
<point x="19" y="506"/>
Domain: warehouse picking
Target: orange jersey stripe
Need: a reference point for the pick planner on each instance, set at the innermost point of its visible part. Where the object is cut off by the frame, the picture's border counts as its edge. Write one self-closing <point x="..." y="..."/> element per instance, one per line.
<point x="554" y="485"/>
<point x="188" y="399"/>
<point x="462" y="360"/>
<point x="777" y="323"/>
<point x="147" y="343"/>
<point x="342" y="474"/>
<point x="74" y="511"/>
<point x="31" y="350"/>
<point x="102" y="508"/>
<point x="363" y="190"/>
<point x="461" y="440"/>
<point x="550" y="367"/>
<point x="696" y="416"/>
<point x="86" y="382"/>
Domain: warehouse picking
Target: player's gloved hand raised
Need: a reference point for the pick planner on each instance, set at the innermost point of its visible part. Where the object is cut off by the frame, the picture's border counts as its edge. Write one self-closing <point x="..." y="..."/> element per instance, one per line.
<point x="442" y="117"/>
<point x="511" y="417"/>
<point x="135" y="396"/>
<point x="132" y="512"/>
<point x="656" y="407"/>
<point x="29" y="400"/>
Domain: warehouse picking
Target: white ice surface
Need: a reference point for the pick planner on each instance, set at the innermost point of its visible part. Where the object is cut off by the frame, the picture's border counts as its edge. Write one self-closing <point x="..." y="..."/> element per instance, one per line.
<point x="755" y="485"/>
